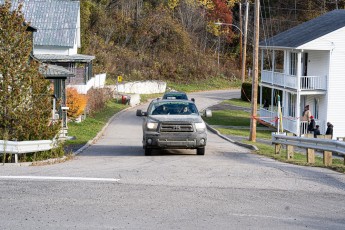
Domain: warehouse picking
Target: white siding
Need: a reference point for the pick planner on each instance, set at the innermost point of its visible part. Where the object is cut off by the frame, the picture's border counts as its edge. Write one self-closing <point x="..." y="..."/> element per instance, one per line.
<point x="78" y="42"/>
<point x="318" y="63"/>
<point x="336" y="85"/>
<point x="59" y="50"/>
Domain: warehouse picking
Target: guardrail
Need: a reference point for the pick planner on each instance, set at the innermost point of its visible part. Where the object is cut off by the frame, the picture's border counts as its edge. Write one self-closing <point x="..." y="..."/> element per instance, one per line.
<point x="19" y="147"/>
<point x="311" y="144"/>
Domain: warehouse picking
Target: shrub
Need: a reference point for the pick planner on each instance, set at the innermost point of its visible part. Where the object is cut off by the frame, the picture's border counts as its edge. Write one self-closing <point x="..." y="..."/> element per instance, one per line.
<point x="76" y="103"/>
<point x="97" y="99"/>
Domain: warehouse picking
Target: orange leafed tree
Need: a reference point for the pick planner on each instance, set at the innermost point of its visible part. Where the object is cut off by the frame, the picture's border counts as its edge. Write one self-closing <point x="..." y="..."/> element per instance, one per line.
<point x="76" y="103"/>
<point x="221" y="12"/>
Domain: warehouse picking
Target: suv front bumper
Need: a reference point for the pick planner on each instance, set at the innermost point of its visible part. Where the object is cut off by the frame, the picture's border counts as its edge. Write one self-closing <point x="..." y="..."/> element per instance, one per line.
<point x="175" y="140"/>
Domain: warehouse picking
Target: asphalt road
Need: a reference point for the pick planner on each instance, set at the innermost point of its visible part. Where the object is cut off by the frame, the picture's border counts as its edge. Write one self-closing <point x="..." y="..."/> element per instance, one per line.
<point x="112" y="185"/>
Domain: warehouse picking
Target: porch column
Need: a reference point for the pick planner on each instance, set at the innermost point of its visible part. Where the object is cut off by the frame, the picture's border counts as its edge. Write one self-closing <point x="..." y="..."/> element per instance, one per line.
<point x="262" y="60"/>
<point x="260" y="96"/>
<point x="262" y="68"/>
<point x="273" y="64"/>
<point x="272" y="99"/>
<point x="299" y="70"/>
<point x="298" y="104"/>
<point x="286" y="62"/>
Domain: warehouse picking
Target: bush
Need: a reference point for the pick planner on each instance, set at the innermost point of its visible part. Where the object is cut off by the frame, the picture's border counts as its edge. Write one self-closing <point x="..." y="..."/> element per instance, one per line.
<point x="97" y="99"/>
<point x="76" y="103"/>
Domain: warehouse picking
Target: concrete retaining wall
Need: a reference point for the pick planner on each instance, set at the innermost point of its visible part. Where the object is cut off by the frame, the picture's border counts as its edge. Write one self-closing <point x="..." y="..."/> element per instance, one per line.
<point x="141" y="87"/>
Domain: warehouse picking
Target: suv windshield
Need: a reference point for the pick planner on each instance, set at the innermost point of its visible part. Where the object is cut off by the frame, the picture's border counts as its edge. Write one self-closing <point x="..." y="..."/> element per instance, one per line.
<point x="172" y="108"/>
<point x="175" y="95"/>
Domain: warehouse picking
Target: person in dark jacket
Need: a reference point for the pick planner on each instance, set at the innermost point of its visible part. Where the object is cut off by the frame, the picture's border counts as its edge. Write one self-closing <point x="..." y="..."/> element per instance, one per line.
<point x="311" y="125"/>
<point x="316" y="131"/>
<point x="329" y="130"/>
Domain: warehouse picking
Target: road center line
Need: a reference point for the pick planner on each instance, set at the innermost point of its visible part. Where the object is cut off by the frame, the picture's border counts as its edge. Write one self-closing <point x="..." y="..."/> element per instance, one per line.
<point x="59" y="178"/>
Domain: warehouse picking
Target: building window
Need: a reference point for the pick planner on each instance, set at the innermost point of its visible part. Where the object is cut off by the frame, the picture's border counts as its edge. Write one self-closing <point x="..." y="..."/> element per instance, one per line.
<point x="316" y="108"/>
<point x="293" y="64"/>
<point x="291" y="105"/>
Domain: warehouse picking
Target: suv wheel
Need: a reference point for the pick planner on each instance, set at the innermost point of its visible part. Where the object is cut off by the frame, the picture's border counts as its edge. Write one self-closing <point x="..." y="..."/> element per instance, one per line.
<point x="148" y="151"/>
<point x="200" y="151"/>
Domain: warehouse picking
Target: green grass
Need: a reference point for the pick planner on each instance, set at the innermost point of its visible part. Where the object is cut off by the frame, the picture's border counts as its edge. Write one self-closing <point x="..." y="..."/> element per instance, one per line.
<point x="88" y="129"/>
<point x="298" y="158"/>
<point x="239" y="122"/>
<point x="229" y="118"/>
<point x="203" y="85"/>
<point x="238" y="102"/>
<point x="262" y="134"/>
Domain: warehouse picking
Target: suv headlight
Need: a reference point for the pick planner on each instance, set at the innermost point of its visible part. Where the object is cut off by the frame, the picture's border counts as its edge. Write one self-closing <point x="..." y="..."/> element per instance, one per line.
<point x="200" y="126"/>
<point x="151" y="125"/>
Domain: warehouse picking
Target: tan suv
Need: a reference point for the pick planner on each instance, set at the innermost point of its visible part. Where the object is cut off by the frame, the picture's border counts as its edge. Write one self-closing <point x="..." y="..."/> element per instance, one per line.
<point x="174" y="124"/>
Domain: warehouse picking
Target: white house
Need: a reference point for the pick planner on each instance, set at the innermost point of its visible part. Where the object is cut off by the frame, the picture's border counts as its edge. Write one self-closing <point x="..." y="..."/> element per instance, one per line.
<point x="305" y="65"/>
<point x="56" y="43"/>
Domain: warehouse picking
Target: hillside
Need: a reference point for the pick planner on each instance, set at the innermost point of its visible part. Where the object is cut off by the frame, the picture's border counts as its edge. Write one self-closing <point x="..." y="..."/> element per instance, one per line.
<point x="177" y="40"/>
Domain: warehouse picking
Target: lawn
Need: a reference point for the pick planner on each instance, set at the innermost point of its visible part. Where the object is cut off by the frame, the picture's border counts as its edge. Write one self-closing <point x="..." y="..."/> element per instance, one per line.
<point x="207" y="84"/>
<point x="237" y="123"/>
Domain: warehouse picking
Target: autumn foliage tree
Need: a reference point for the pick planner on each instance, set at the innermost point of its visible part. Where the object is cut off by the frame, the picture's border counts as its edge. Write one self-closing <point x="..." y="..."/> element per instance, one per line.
<point x="76" y="103"/>
<point x="25" y="96"/>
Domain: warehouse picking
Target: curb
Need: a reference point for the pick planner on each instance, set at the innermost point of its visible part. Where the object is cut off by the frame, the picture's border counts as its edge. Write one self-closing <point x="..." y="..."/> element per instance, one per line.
<point x="248" y="146"/>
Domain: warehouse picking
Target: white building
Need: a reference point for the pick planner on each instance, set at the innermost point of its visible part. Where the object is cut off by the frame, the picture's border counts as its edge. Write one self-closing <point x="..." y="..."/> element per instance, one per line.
<point x="305" y="65"/>
<point x="56" y="42"/>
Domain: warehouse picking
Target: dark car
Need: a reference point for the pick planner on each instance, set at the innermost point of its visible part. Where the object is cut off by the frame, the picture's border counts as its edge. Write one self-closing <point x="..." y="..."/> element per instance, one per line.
<point x="174" y="124"/>
<point x="176" y="95"/>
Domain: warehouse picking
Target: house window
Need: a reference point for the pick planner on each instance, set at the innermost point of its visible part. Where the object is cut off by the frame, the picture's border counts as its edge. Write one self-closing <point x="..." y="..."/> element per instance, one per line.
<point x="293" y="64"/>
<point x="316" y="108"/>
<point x="291" y="105"/>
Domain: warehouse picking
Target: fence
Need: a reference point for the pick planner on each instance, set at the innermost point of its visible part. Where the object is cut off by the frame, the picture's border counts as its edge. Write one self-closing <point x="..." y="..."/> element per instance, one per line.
<point x="98" y="81"/>
<point x="311" y="144"/>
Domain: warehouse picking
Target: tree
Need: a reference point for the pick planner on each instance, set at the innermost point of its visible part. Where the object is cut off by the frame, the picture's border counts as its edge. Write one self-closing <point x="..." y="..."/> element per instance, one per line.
<point x="25" y="96"/>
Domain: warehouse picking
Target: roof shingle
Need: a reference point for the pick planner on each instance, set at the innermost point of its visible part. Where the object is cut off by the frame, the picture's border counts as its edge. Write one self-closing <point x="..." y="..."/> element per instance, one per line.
<point x="55" y="20"/>
<point x="307" y="31"/>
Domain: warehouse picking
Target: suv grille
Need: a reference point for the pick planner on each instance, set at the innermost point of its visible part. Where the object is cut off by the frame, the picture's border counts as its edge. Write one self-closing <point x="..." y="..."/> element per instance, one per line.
<point x="176" y="127"/>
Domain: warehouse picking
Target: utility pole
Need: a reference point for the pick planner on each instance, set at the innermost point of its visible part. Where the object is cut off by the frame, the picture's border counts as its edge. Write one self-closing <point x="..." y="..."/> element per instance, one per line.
<point x="252" y="136"/>
<point x="241" y="36"/>
<point x="244" y="53"/>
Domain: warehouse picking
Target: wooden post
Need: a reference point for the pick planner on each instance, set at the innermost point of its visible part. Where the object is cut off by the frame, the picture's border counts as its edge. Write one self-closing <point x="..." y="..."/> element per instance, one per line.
<point x="244" y="52"/>
<point x="289" y="152"/>
<point x="241" y="37"/>
<point x="309" y="135"/>
<point x="327" y="158"/>
<point x="254" y="101"/>
<point x="289" y="149"/>
<point x="277" y="148"/>
<point x="327" y="155"/>
<point x="311" y="156"/>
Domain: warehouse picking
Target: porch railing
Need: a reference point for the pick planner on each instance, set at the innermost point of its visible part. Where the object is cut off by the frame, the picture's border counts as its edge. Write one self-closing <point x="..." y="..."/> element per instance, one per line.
<point x="290" y="124"/>
<point x="290" y="81"/>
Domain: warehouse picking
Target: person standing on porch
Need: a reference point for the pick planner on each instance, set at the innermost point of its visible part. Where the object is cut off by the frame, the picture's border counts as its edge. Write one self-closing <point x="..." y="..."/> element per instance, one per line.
<point x="329" y="130"/>
<point x="316" y="131"/>
<point x="305" y="119"/>
<point x="311" y="125"/>
<point x="306" y="114"/>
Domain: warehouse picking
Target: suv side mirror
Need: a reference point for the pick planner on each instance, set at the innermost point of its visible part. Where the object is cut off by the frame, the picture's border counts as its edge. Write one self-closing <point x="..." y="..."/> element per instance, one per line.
<point x="193" y="100"/>
<point x="139" y="113"/>
<point x="207" y="113"/>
